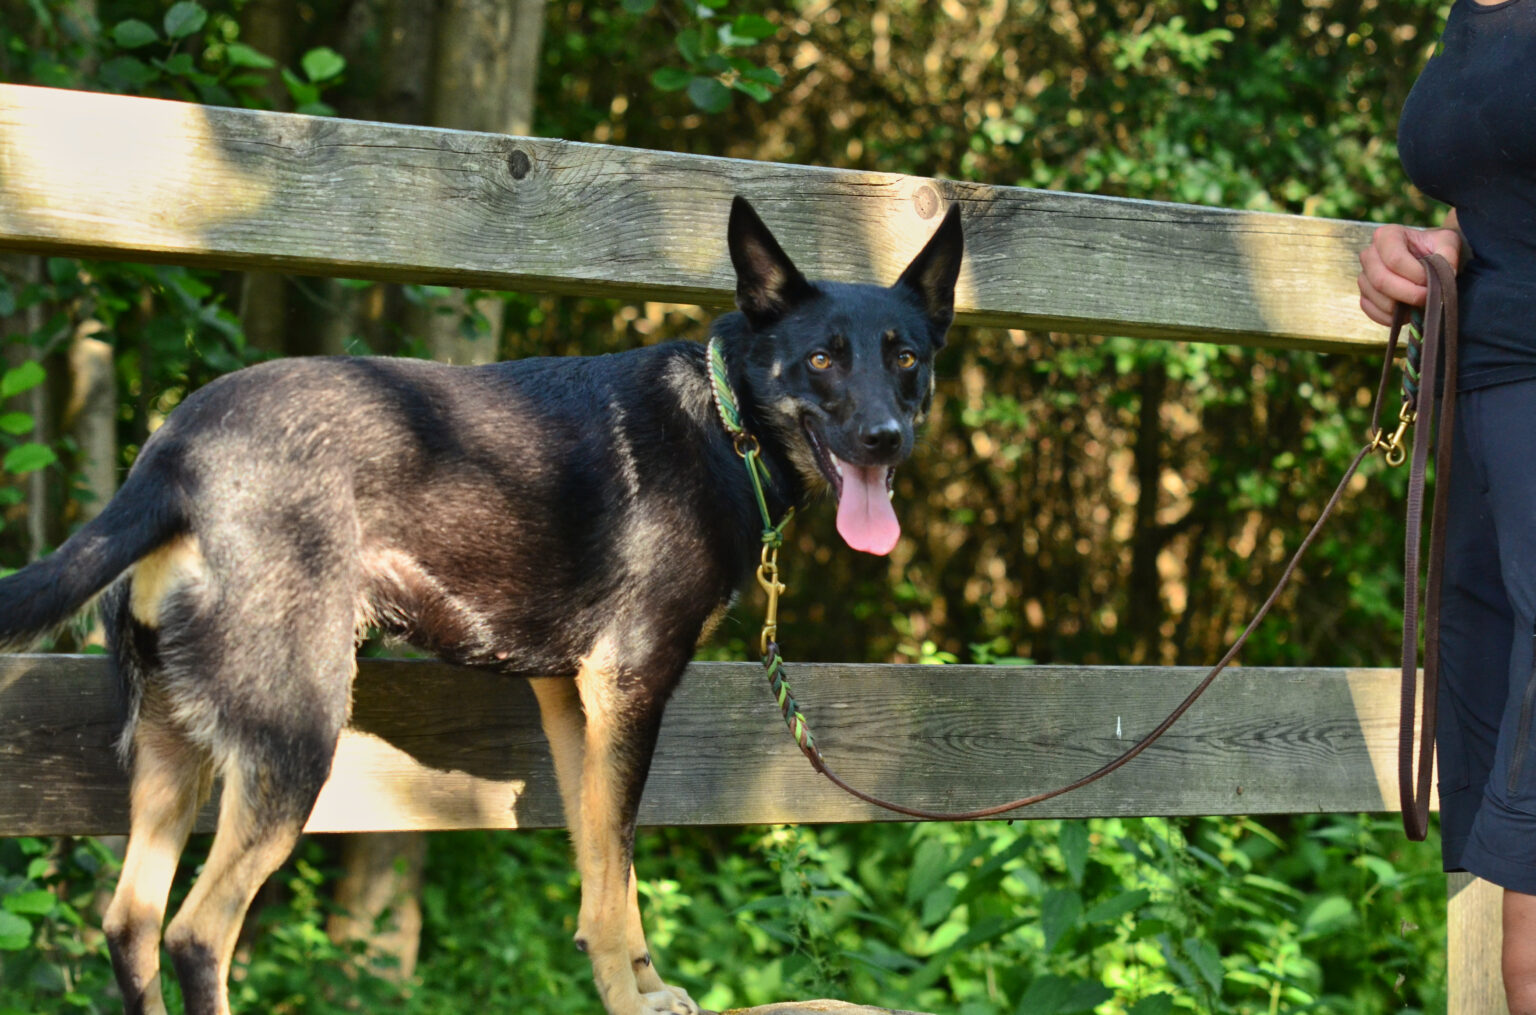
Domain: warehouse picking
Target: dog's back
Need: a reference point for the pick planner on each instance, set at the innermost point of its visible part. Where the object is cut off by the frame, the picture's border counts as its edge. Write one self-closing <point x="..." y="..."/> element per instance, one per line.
<point x="494" y="515"/>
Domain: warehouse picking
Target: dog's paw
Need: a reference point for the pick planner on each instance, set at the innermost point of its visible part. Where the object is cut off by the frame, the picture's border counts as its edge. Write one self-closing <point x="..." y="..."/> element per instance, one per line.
<point x="670" y="1001"/>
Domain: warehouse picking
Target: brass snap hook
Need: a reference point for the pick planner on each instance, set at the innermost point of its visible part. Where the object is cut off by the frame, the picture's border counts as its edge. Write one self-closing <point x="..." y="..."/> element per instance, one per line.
<point x="1392" y="447"/>
<point x="768" y="578"/>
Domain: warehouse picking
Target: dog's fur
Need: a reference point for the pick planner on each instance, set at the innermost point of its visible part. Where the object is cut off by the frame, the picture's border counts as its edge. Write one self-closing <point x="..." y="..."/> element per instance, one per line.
<point x="547" y="518"/>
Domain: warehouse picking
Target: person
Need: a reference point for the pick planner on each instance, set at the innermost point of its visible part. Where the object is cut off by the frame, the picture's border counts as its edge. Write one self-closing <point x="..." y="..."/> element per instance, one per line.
<point x="1467" y="138"/>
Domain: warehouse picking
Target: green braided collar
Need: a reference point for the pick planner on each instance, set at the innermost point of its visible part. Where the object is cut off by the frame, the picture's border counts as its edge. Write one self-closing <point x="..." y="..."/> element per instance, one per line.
<point x="746" y="444"/>
<point x="720" y="386"/>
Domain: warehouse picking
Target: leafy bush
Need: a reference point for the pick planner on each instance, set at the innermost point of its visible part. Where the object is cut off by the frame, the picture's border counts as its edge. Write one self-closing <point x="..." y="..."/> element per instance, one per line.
<point x="1331" y="914"/>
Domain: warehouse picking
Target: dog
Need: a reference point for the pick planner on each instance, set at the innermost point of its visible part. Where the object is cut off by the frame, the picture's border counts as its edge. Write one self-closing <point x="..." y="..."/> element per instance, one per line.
<point x="581" y="522"/>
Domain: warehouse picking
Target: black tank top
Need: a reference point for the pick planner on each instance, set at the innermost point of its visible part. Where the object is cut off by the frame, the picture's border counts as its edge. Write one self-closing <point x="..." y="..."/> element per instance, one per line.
<point x="1467" y="137"/>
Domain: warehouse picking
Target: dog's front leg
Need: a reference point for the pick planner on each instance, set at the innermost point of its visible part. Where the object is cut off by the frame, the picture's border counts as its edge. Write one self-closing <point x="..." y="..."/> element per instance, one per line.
<point x="600" y="763"/>
<point x="565" y="729"/>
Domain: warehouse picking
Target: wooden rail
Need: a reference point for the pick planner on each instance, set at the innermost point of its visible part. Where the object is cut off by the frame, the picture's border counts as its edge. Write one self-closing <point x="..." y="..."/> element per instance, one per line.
<point x="254" y="190"/>
<point x="138" y="179"/>
<point x="1262" y="741"/>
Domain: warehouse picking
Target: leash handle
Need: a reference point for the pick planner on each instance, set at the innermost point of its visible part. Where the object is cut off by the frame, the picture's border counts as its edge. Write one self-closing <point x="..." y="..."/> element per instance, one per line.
<point x="1437" y="380"/>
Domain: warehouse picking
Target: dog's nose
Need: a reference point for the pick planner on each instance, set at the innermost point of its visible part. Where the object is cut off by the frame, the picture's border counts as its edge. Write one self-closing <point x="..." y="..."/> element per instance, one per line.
<point x="881" y="438"/>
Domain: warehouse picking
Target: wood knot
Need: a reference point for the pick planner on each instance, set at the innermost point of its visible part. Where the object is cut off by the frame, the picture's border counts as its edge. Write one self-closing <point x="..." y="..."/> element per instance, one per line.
<point x="926" y="200"/>
<point x="519" y="163"/>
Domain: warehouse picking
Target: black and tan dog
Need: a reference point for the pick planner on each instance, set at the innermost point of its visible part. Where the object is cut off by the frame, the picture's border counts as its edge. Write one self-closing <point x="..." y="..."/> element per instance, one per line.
<point x="566" y="518"/>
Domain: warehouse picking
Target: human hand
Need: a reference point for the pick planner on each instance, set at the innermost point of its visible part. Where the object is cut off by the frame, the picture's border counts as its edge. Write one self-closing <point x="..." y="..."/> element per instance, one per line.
<point x="1390" y="271"/>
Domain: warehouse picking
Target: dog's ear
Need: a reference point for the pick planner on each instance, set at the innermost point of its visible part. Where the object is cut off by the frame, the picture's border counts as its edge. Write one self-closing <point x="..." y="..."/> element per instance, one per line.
<point x="768" y="284"/>
<point x="931" y="275"/>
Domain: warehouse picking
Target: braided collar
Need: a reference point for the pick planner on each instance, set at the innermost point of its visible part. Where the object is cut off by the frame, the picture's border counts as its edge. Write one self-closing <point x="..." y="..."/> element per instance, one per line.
<point x="745" y="443"/>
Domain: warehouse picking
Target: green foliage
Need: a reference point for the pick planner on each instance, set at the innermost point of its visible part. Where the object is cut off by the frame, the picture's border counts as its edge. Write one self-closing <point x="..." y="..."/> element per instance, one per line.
<point x="322" y="68"/>
<point x="710" y="49"/>
<point x="187" y="52"/>
<point x="50" y="951"/>
<point x="1121" y="917"/>
<point x="298" y="967"/>
<point x="714" y="46"/>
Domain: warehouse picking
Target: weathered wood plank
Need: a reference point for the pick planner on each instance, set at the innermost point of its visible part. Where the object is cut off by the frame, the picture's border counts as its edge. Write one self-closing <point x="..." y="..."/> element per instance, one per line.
<point x="119" y="177"/>
<point x="1474" y="938"/>
<point x="438" y="747"/>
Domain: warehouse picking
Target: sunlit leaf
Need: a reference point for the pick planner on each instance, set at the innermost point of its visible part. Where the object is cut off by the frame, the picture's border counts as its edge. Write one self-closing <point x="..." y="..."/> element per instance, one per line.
<point x="29" y="457"/>
<point x="752" y="88"/>
<point x="1329" y="916"/>
<point x="36" y="903"/>
<point x="22" y="377"/>
<point x="323" y="63"/>
<point x="753" y="27"/>
<point x="15" y="933"/>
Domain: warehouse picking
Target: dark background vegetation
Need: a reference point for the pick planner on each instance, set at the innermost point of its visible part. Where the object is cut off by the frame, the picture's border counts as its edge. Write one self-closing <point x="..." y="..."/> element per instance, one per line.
<point x="1075" y="498"/>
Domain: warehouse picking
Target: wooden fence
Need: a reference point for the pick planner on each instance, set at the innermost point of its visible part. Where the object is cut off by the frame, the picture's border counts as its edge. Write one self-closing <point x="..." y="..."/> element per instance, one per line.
<point x="138" y="179"/>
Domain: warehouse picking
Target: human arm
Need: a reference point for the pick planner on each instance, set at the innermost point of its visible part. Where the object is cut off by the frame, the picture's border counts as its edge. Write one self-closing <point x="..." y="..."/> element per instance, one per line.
<point x="1390" y="271"/>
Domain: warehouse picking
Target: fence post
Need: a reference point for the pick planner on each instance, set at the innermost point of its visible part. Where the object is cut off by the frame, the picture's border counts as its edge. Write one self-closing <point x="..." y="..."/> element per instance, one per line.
<point x="1474" y="933"/>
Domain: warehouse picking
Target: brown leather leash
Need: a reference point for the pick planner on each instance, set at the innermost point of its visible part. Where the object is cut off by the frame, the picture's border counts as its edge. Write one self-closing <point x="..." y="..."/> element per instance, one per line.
<point x="1421" y="378"/>
<point x="1437" y="377"/>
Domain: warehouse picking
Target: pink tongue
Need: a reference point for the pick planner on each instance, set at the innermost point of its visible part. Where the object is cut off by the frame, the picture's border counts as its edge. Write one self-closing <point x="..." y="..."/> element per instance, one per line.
<point x="864" y="515"/>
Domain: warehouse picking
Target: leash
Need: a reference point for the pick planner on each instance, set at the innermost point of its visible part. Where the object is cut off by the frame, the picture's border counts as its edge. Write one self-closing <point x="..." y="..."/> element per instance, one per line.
<point x="1440" y="317"/>
<point x="1430" y="373"/>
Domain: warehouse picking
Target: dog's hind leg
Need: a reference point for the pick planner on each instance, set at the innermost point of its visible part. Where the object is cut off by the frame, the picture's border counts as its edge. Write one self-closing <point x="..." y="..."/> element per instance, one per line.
<point x="256" y="640"/>
<point x="171" y="778"/>
<point x="251" y="842"/>
<point x="623" y="715"/>
<point x="565" y="729"/>
<point x="273" y="766"/>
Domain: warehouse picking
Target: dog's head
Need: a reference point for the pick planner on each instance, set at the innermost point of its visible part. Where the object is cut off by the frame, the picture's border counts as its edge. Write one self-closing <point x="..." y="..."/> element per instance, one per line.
<point x="842" y="373"/>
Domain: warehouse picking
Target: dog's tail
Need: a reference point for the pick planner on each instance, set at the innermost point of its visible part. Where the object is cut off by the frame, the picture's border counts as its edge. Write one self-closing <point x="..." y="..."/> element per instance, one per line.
<point x="41" y="596"/>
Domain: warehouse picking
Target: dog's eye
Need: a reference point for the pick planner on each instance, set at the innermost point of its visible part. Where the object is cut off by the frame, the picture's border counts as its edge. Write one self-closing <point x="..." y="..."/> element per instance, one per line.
<point x="906" y="359"/>
<point x="820" y="360"/>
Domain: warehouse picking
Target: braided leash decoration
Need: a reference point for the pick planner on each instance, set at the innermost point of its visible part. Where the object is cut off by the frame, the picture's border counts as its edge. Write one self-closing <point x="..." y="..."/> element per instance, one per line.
<point x="1411" y="357"/>
<point x="799" y="728"/>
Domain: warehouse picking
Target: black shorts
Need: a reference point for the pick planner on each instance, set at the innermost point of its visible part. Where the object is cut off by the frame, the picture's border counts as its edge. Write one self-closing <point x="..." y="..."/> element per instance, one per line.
<point x="1487" y="736"/>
